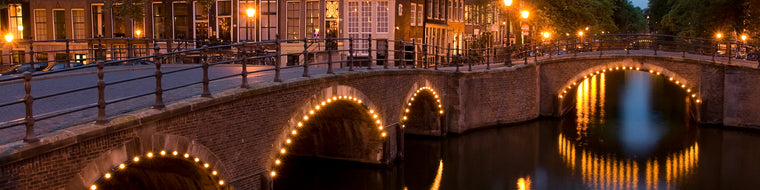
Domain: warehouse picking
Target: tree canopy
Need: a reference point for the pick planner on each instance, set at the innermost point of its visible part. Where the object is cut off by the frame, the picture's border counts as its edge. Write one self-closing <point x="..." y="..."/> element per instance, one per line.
<point x="704" y="18"/>
<point x="571" y="16"/>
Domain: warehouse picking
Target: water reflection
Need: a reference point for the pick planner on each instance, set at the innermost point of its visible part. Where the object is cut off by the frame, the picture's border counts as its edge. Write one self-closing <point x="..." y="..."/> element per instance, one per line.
<point x="610" y="171"/>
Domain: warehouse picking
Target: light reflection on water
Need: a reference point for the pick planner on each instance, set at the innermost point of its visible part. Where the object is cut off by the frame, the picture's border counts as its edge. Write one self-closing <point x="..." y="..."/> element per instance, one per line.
<point x="630" y="130"/>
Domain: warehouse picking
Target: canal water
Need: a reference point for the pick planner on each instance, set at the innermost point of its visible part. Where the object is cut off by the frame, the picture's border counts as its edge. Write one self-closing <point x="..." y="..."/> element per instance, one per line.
<point x="629" y="130"/>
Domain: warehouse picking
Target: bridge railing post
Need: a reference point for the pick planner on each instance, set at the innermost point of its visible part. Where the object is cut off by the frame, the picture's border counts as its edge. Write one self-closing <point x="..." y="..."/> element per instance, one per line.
<point x="277" y="58"/>
<point x="436" y="57"/>
<point x="425" y="55"/>
<point x="244" y="68"/>
<point x="728" y="49"/>
<point x="351" y="53"/>
<point x="204" y="65"/>
<point x="305" y="57"/>
<point x="490" y="52"/>
<point x="329" y="55"/>
<point x="369" y="52"/>
<point x="414" y="54"/>
<point x="159" y="60"/>
<point x="448" y="55"/>
<point x="31" y="56"/>
<point x="68" y="53"/>
<point x="101" y="95"/>
<point x="385" y="53"/>
<point x="28" y="103"/>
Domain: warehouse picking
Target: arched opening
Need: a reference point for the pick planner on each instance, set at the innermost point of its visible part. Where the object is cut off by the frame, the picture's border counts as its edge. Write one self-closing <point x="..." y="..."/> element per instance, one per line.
<point x="343" y="130"/>
<point x="423" y="112"/>
<point x="339" y="128"/>
<point x="163" y="170"/>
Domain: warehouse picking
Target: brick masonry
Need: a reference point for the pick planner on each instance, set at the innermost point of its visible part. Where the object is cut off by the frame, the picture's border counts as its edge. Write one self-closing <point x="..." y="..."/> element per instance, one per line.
<point x="240" y="131"/>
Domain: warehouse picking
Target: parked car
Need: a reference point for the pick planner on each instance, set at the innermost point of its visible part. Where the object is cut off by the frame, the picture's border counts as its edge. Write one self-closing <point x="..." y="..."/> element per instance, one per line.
<point x="139" y="62"/>
<point x="57" y="67"/>
<point x="26" y="67"/>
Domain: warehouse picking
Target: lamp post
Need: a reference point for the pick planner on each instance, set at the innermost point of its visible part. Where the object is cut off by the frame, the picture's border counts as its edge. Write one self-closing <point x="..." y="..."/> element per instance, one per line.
<point x="9" y="39"/>
<point x="251" y="12"/>
<point x="508" y="3"/>
<point x="524" y="14"/>
<point x="508" y="42"/>
<point x="580" y="35"/>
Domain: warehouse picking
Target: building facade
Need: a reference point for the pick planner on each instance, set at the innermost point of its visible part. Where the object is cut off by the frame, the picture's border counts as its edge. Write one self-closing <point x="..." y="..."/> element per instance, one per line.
<point x="187" y="23"/>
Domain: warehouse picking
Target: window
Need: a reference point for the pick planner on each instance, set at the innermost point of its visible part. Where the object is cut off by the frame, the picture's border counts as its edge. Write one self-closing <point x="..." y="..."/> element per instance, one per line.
<point x="224" y="10"/>
<point x="359" y="25"/>
<point x="182" y="21"/>
<point x="159" y="12"/>
<point x="119" y="24"/>
<point x="419" y="14"/>
<point x="442" y="10"/>
<point x="429" y="8"/>
<point x="138" y="27"/>
<point x="450" y="13"/>
<point x="16" y="26"/>
<point x="201" y="22"/>
<point x="312" y="19"/>
<point x="293" y="24"/>
<point x="78" y="21"/>
<point x="40" y="24"/>
<point x="435" y="9"/>
<point x="59" y="24"/>
<point x="98" y="27"/>
<point x="268" y="19"/>
<point x="247" y="33"/>
<point x="413" y="15"/>
<point x="382" y="16"/>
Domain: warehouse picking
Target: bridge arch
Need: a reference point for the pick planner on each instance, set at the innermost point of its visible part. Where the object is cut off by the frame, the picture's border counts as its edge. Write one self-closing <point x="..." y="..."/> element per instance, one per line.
<point x="414" y="118"/>
<point x="319" y="102"/>
<point x="562" y="92"/>
<point x="173" y="148"/>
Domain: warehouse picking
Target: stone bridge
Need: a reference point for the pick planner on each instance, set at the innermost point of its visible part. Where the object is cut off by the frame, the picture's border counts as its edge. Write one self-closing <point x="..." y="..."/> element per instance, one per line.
<point x="241" y="137"/>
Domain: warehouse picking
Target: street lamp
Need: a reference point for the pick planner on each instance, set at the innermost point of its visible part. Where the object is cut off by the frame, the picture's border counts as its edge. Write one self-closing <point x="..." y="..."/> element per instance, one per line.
<point x="524" y="14"/>
<point x="9" y="37"/>
<point x="137" y="33"/>
<point x="719" y="35"/>
<point x="508" y="3"/>
<point x="251" y="12"/>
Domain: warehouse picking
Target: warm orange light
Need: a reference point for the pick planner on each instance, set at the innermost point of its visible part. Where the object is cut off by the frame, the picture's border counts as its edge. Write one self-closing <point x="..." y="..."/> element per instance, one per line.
<point x="546" y="35"/>
<point x="580" y="33"/>
<point x="138" y="32"/>
<point x="508" y="3"/>
<point x="9" y="38"/>
<point x="744" y="37"/>
<point x="586" y="28"/>
<point x="524" y="14"/>
<point x="719" y="35"/>
<point x="251" y="12"/>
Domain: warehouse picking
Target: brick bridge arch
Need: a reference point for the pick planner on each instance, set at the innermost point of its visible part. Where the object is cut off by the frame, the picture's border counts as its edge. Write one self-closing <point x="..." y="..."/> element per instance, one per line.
<point x="147" y="145"/>
<point x="314" y="105"/>
<point x="558" y="76"/>
<point x="416" y="88"/>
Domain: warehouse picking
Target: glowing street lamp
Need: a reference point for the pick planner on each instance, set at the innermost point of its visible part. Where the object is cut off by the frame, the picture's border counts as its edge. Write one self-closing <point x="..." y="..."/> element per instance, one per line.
<point x="719" y="35"/>
<point x="9" y="37"/>
<point x="508" y="3"/>
<point x="744" y="38"/>
<point x="546" y="35"/>
<point x="524" y="14"/>
<point x="138" y="32"/>
<point x="250" y="12"/>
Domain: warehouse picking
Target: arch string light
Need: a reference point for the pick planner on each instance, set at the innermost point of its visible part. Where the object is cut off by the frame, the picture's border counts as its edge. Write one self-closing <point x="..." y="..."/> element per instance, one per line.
<point x="289" y="140"/>
<point x="150" y="155"/>
<point x="409" y="104"/>
<point x="563" y="92"/>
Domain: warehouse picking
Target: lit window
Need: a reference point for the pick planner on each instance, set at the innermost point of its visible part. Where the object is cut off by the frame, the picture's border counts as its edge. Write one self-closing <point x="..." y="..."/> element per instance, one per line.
<point x="40" y="23"/>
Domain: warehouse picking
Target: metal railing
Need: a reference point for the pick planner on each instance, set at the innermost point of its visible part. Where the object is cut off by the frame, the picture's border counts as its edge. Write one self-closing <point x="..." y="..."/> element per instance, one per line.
<point x="365" y="53"/>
